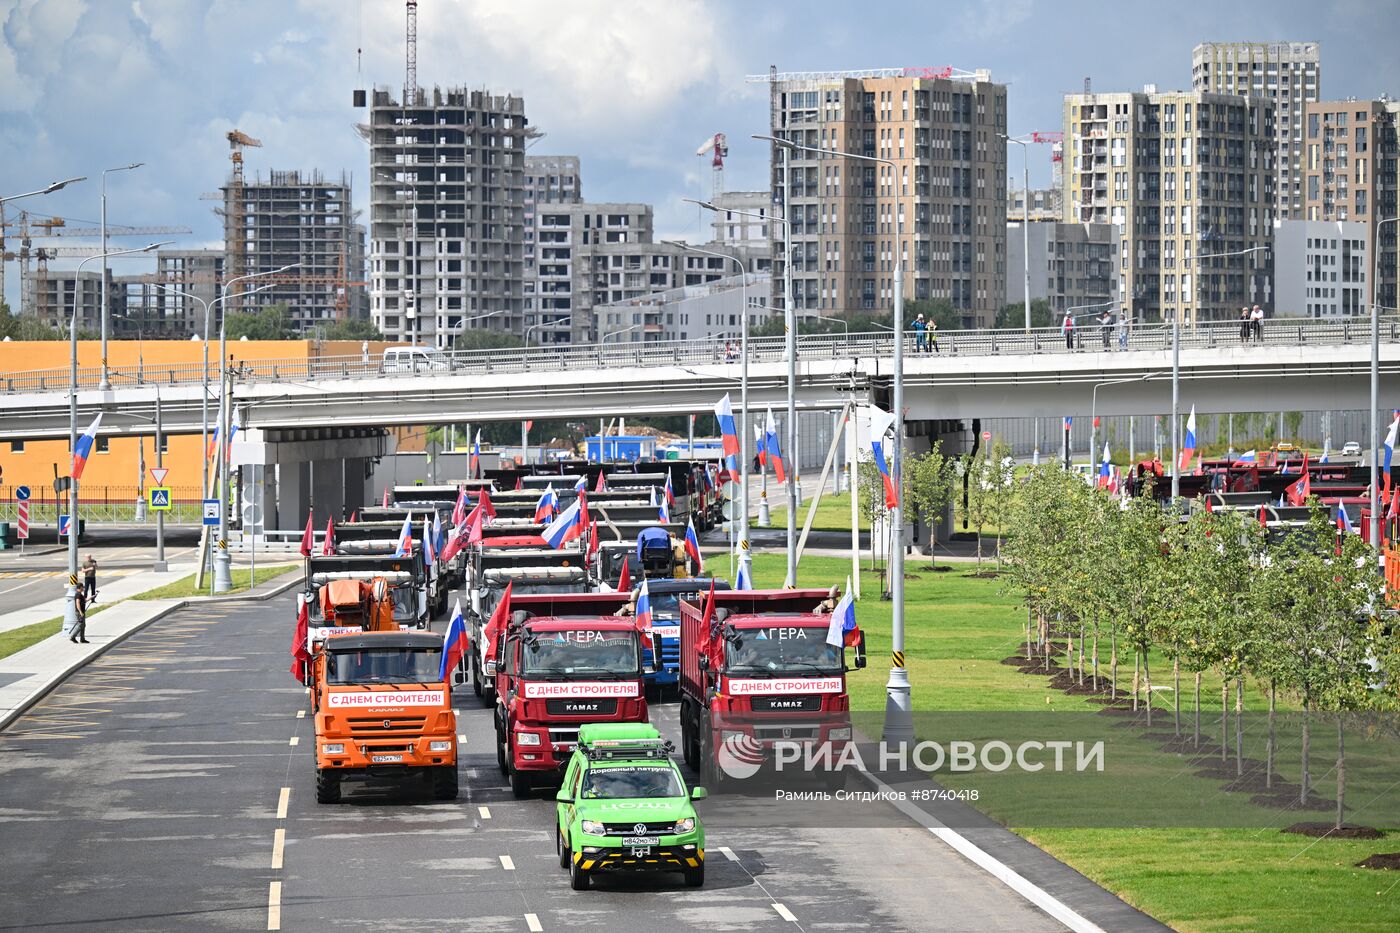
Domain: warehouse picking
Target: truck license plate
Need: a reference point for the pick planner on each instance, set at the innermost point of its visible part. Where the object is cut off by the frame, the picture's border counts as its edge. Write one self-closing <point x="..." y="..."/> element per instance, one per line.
<point x="384" y="759"/>
<point x="640" y="840"/>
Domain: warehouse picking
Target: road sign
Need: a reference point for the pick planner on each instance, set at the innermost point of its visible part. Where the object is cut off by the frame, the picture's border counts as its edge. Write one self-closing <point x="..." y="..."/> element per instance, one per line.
<point x="211" y="511"/>
<point x="22" y="493"/>
<point x="63" y="524"/>
<point x="986" y="435"/>
<point x="23" y="516"/>
<point x="159" y="474"/>
<point x="159" y="497"/>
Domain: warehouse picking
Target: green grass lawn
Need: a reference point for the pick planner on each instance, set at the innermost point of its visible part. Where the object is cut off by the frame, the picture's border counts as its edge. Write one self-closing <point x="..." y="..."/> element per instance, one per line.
<point x="182" y="589"/>
<point x="958" y="628"/>
<point x="18" y="639"/>
<point x="833" y="512"/>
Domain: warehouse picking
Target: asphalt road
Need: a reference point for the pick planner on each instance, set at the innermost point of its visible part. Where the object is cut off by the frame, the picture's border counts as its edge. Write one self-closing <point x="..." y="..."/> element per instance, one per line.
<point x="39" y="573"/>
<point x="144" y="794"/>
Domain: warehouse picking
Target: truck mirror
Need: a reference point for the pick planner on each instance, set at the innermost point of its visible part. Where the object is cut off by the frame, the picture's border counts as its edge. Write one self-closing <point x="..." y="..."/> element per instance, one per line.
<point x="698" y="793"/>
<point x="564" y="796"/>
<point x="490" y="668"/>
<point x="704" y="662"/>
<point x="860" y="652"/>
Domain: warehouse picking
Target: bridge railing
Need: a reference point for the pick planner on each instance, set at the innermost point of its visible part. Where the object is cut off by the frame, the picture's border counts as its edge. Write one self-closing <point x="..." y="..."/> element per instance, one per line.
<point x="1277" y="333"/>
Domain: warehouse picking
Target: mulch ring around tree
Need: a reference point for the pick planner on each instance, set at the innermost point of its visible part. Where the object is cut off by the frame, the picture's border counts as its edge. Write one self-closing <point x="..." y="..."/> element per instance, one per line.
<point x="1032" y="665"/>
<point x="1348" y="831"/>
<point x="1390" y="860"/>
<point x="1068" y="681"/>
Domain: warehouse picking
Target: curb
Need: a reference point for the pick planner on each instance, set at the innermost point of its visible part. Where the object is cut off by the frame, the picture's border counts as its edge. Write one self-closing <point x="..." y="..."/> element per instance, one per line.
<point x="38" y="694"/>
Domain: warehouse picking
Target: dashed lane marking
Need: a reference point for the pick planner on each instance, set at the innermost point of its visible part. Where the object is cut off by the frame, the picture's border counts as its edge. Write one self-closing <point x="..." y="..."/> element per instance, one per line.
<point x="282" y="799"/>
<point x="507" y="863"/>
<point x="274" y="905"/>
<point x="301" y="714"/>
<point x="532" y="923"/>
<point x="728" y="853"/>
<point x="785" y="913"/>
<point x="485" y="812"/>
<point x="279" y="841"/>
<point x="295" y="740"/>
<point x="461" y="738"/>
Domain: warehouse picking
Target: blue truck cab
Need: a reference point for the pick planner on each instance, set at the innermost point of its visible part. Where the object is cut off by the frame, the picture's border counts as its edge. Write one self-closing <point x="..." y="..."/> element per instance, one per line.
<point x="665" y="596"/>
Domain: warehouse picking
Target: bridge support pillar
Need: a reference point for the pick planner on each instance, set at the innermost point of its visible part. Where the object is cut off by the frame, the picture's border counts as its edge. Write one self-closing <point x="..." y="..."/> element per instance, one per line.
<point x="328" y="490"/>
<point x="292" y="494"/>
<point x="356" y="495"/>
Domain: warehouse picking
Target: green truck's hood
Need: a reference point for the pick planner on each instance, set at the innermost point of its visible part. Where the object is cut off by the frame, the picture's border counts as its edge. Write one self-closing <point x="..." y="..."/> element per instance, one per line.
<point x="645" y="810"/>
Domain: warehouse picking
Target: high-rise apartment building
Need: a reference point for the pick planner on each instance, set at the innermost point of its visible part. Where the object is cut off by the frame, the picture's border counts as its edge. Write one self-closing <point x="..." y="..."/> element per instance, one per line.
<point x="941" y="204"/>
<point x="549" y="181"/>
<point x="173" y="311"/>
<point x="1351" y="166"/>
<point x="1288" y="75"/>
<point x="1072" y="265"/>
<point x="1184" y="175"/>
<point x="733" y="228"/>
<point x="301" y="219"/>
<point x="447" y="171"/>
<point x="1324" y="268"/>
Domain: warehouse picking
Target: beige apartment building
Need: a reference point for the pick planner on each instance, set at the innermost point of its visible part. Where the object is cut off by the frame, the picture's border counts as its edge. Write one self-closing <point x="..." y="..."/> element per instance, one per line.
<point x="1183" y="175"/>
<point x="1351" y="155"/>
<point x="1288" y="75"/>
<point x="941" y="205"/>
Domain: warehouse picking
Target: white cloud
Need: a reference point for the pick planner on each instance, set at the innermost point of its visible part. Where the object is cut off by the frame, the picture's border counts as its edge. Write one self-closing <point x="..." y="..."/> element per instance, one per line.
<point x="988" y="19"/>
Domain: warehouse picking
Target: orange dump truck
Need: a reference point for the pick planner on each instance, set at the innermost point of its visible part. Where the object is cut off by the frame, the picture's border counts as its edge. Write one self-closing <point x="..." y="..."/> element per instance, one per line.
<point x="382" y="711"/>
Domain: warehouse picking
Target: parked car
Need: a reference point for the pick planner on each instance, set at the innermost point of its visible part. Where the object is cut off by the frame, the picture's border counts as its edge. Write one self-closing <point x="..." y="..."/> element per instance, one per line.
<point x="1351" y="449"/>
<point x="409" y="359"/>
<point x="1286" y="447"/>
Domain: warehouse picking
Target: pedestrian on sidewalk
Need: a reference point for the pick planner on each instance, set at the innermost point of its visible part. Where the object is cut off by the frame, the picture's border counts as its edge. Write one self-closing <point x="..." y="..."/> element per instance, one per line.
<point x="79" y="633"/>
<point x="1106" y="326"/>
<point x="1068" y="327"/>
<point x="90" y="578"/>
<point x="920" y="334"/>
<point x="1245" y="325"/>
<point x="1122" y="330"/>
<point x="1256" y="317"/>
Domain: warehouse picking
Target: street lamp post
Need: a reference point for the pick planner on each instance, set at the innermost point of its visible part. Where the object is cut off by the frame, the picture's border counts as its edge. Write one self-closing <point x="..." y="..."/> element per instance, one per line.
<point x="744" y="559"/>
<point x="1026" y="223"/>
<point x="70" y="604"/>
<point x="552" y="323"/>
<point x="47" y="189"/>
<point x="104" y="382"/>
<point x="1375" y="524"/>
<point x="1176" y="365"/>
<point x="899" y="718"/>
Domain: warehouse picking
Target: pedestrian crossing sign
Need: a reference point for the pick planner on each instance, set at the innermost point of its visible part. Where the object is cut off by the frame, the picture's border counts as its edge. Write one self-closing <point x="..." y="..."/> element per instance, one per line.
<point x="159" y="498"/>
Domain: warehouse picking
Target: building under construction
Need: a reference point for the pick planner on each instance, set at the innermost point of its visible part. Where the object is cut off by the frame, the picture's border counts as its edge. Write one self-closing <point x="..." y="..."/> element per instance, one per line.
<point x="294" y="218"/>
<point x="447" y="220"/>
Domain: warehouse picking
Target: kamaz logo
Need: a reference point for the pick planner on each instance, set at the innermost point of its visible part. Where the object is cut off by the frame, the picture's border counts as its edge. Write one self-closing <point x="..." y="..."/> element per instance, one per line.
<point x="786" y="704"/>
<point x="583" y="707"/>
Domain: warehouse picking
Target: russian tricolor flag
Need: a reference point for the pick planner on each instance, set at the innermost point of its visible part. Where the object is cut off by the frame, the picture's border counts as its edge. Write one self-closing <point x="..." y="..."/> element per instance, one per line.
<point x="1105" y="469"/>
<point x="663" y="511"/>
<point x="842" y="631"/>
<point x="1249" y="456"/>
<point x="775" y="449"/>
<point x="1389" y="446"/>
<point x="670" y="493"/>
<point x="582" y="484"/>
<point x="758" y="447"/>
<point x="880" y="422"/>
<point x="742" y="580"/>
<point x="405" y="547"/>
<point x="724" y="414"/>
<point x="475" y="462"/>
<point x="692" y="547"/>
<point x="547" y="507"/>
<point x="455" y="643"/>
<point x="84" y="448"/>
<point x="643" y="609"/>
<point x="566" y="528"/>
<point x="1188" y="444"/>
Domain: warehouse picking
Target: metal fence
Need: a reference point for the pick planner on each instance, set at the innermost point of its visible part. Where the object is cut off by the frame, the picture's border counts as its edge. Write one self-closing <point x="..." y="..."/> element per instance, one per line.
<point x="101" y="504"/>
<point x="1279" y="332"/>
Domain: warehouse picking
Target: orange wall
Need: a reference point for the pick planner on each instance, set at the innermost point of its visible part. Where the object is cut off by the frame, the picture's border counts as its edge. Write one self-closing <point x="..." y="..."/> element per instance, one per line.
<point x="33" y="466"/>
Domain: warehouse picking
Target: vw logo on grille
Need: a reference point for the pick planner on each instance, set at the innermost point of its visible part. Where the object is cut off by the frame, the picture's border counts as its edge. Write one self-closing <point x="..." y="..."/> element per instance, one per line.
<point x="388" y="724"/>
<point x="639" y="828"/>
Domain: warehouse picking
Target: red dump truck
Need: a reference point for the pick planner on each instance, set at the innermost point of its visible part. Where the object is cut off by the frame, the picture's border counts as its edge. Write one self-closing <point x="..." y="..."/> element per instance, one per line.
<point x="756" y="669"/>
<point x="563" y="660"/>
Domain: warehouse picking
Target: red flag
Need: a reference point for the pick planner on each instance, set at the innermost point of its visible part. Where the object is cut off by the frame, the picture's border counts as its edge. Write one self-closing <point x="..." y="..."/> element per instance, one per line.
<point x="500" y="616"/>
<point x="328" y="546"/>
<point x="707" y="628"/>
<point x="353" y="515"/>
<point x="299" y="653"/>
<point x="308" y="538"/>
<point x="519" y="483"/>
<point x="1210" y="504"/>
<point x="624" y="581"/>
<point x="484" y="504"/>
<point x="474" y="528"/>
<point x="1299" y="491"/>
<point x="602" y="483"/>
<point x="1263" y="517"/>
<point x="385" y="503"/>
<point x="529" y="425"/>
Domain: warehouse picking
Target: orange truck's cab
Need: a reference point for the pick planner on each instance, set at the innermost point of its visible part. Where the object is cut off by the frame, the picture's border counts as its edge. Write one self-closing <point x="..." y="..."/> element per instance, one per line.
<point x="381" y="711"/>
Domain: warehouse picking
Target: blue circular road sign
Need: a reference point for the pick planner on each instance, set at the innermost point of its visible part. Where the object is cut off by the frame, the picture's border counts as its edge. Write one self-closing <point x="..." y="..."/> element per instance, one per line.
<point x="21" y="493"/>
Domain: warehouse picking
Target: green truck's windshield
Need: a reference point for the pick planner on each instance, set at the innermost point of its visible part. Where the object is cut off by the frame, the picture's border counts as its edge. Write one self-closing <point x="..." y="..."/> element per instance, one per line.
<point x="631" y="782"/>
<point x="785" y="649"/>
<point x="384" y="666"/>
<point x="582" y="652"/>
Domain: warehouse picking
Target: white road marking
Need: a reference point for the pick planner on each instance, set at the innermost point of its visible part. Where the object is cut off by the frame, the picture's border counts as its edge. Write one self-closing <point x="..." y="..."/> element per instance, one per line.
<point x="507" y="863"/>
<point x="295" y="740"/>
<point x="785" y="913"/>
<point x="728" y="853"/>
<point x="274" y="905"/>
<point x="279" y="840"/>
<point x="462" y="740"/>
<point x="20" y="587"/>
<point x="471" y="774"/>
<point x="282" y="799"/>
<point x="532" y="923"/>
<point x="301" y="714"/>
<point x="485" y="812"/>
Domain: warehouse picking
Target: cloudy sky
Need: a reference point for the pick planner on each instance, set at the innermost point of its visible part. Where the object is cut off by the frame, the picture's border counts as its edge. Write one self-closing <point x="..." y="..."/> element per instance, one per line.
<point x="631" y="86"/>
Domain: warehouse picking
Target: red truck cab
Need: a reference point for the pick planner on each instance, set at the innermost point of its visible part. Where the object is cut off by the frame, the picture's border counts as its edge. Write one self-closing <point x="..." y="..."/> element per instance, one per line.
<point x="564" y="660"/>
<point x="756" y="669"/>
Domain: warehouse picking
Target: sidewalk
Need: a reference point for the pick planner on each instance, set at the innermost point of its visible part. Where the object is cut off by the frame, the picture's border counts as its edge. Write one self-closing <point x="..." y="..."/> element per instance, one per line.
<point x="26" y="676"/>
<point x="111" y="591"/>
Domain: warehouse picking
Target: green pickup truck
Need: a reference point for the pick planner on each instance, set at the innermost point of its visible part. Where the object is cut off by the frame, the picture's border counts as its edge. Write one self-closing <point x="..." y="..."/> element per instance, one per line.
<point x="624" y="807"/>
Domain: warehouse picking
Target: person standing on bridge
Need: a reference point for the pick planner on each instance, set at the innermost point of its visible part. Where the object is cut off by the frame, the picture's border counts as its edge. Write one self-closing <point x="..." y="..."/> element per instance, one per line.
<point x="920" y="334"/>
<point x="1068" y="328"/>
<point x="1123" y="329"/>
<point x="1106" y="326"/>
<point x="90" y="578"/>
<point x="1245" y="324"/>
<point x="1256" y="318"/>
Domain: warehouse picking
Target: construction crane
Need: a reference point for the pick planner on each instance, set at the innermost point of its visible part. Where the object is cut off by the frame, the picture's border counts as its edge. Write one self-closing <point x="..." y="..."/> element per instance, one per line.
<point x="718" y="145"/>
<point x="410" y="73"/>
<point x="235" y="244"/>
<point x="1056" y="141"/>
<point x="946" y="71"/>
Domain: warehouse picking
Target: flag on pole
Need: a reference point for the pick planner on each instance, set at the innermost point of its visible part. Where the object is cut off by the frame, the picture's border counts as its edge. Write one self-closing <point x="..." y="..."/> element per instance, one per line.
<point x="308" y="537"/>
<point x="774" y="448"/>
<point x="692" y="547"/>
<point x="497" y="623"/>
<point x="1326" y="451"/>
<point x="567" y="527"/>
<point x="670" y="493"/>
<point x="213" y="444"/>
<point x="1299" y="491"/>
<point x="1105" y="468"/>
<point x="624" y="579"/>
<point x="455" y="643"/>
<point x="228" y="444"/>
<point x="742" y="580"/>
<point x="300" y="655"/>
<point x="405" y="545"/>
<point x="459" y="509"/>
<point x="1249" y="456"/>
<point x="1188" y="444"/>
<point x="483" y="502"/>
<point x="438" y="541"/>
<point x="475" y="462"/>
<point x="724" y="414"/>
<point x="758" y="447"/>
<point x="602" y="484"/>
<point x="663" y="511"/>
<point x="842" y="631"/>
<point x="328" y="545"/>
<point x="1389" y="450"/>
<point x="1345" y="520"/>
<point x="582" y="483"/>
<point x="547" y="507"/>
<point x="83" y="449"/>
<point x="429" y="552"/>
<point x="384" y="504"/>
<point x="643" y="609"/>
<point x="880" y="422"/>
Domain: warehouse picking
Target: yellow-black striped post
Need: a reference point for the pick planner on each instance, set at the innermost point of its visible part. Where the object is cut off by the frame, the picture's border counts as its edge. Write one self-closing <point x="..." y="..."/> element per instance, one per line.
<point x="897" y="658"/>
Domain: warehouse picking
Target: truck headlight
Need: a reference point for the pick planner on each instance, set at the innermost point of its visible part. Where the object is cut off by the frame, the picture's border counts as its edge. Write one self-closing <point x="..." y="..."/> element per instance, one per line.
<point x="686" y="825"/>
<point x="592" y="828"/>
<point x="334" y="748"/>
<point x="439" y="746"/>
<point x="527" y="738"/>
<point x="840" y="735"/>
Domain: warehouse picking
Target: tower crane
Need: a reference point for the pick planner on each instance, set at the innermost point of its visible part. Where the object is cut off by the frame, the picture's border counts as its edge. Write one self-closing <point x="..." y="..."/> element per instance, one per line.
<point x="719" y="146"/>
<point x="235" y="245"/>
